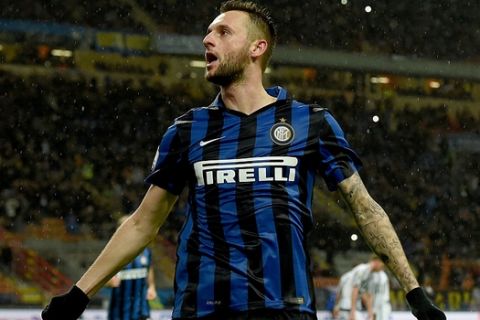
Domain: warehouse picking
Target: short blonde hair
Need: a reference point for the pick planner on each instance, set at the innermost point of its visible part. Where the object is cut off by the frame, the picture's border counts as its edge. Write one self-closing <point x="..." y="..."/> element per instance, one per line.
<point x="262" y="21"/>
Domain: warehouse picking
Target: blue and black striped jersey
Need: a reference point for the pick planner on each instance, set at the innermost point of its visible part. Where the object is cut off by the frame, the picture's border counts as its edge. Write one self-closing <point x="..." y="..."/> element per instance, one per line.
<point x="129" y="300"/>
<point x="250" y="180"/>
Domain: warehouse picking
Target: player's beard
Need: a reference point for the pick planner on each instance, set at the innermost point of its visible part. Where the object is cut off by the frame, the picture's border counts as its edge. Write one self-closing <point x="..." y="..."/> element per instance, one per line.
<point x="230" y="70"/>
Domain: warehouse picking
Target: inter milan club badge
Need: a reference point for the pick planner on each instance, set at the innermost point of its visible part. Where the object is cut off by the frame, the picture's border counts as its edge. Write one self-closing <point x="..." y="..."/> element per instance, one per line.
<point x="282" y="133"/>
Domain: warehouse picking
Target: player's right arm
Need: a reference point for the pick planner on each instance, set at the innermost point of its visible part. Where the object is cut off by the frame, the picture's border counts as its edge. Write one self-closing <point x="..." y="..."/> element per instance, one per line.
<point x="129" y="240"/>
<point x="125" y="244"/>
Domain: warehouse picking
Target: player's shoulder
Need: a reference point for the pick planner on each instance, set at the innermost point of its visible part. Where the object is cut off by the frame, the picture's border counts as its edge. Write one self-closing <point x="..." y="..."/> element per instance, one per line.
<point x="314" y="107"/>
<point x="383" y="275"/>
<point x="346" y="276"/>
<point x="193" y="115"/>
<point x="316" y="111"/>
<point x="362" y="267"/>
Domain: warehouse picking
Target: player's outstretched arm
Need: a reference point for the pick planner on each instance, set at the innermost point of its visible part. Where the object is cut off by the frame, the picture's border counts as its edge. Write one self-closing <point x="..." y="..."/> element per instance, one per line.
<point x="380" y="235"/>
<point x="125" y="244"/>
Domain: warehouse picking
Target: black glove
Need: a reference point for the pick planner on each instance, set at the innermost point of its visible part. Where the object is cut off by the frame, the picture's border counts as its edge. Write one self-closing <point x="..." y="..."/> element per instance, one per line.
<point x="422" y="307"/>
<point x="68" y="306"/>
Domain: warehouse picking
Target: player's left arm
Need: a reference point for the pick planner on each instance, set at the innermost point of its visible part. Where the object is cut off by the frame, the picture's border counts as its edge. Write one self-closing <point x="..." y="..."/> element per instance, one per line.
<point x="380" y="235"/>
<point x="377" y="230"/>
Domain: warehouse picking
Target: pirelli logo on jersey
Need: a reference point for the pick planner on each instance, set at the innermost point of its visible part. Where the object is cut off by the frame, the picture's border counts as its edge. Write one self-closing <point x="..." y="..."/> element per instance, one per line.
<point x="260" y="169"/>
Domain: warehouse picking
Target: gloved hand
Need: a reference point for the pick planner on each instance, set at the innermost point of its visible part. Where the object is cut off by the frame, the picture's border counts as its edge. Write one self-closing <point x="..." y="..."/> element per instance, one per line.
<point x="422" y="307"/>
<point x="68" y="306"/>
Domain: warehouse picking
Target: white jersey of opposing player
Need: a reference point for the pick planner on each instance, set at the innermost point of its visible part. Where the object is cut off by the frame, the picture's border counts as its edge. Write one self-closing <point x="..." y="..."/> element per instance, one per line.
<point x="357" y="277"/>
<point x="380" y="289"/>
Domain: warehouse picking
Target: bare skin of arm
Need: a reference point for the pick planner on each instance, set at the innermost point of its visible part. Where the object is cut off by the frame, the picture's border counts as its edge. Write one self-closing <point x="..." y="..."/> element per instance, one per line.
<point x="151" y="291"/>
<point x="129" y="240"/>
<point x="353" y="303"/>
<point x="367" y="300"/>
<point x="336" y="307"/>
<point x="377" y="230"/>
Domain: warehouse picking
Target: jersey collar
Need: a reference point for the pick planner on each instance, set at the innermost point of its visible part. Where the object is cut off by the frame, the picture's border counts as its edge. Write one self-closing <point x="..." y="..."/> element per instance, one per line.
<point x="277" y="91"/>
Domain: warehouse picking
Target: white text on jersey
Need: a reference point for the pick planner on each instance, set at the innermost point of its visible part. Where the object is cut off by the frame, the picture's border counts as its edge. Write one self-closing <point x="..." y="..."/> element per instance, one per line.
<point x="259" y="169"/>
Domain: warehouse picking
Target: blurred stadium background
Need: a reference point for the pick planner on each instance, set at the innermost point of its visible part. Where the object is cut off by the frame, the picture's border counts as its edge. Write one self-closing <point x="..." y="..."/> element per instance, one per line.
<point x="88" y="87"/>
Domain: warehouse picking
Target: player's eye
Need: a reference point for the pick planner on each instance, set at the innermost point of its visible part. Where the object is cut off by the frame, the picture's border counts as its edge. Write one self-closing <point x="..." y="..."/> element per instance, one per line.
<point x="224" y="31"/>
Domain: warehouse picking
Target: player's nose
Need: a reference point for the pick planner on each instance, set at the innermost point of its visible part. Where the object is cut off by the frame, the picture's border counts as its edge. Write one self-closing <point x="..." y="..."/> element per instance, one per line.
<point x="208" y="40"/>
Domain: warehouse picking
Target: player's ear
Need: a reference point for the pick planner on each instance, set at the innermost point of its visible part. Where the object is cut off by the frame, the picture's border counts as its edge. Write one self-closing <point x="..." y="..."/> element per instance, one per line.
<point x="258" y="48"/>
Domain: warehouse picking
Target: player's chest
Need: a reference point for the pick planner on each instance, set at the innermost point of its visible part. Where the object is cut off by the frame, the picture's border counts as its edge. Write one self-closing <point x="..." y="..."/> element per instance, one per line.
<point x="251" y="138"/>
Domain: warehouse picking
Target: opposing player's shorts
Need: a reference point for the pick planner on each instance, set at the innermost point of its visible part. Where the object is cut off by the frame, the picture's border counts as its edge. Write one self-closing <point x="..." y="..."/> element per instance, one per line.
<point x="265" y="314"/>
<point x="383" y="313"/>
<point x="345" y="315"/>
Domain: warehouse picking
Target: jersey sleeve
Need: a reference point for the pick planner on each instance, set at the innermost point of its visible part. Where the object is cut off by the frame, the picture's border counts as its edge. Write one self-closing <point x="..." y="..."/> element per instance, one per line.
<point x="337" y="160"/>
<point x="168" y="169"/>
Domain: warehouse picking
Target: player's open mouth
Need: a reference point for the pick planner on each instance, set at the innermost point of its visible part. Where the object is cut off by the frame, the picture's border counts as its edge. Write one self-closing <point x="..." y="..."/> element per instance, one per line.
<point x="210" y="58"/>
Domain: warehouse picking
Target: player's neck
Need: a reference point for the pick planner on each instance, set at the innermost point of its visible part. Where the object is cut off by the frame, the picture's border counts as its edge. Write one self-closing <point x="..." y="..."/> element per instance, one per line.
<point x="246" y="96"/>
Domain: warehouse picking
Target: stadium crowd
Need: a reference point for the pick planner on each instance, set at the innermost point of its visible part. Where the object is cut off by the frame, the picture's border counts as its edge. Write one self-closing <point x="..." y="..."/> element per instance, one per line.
<point x="101" y="14"/>
<point x="78" y="151"/>
<point x="434" y="29"/>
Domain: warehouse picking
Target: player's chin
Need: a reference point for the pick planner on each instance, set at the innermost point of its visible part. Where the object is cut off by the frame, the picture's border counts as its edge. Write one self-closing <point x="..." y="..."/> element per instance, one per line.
<point x="210" y="76"/>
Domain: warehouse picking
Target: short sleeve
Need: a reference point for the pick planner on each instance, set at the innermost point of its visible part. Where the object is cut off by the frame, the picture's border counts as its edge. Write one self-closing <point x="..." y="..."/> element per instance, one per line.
<point x="336" y="159"/>
<point x="168" y="169"/>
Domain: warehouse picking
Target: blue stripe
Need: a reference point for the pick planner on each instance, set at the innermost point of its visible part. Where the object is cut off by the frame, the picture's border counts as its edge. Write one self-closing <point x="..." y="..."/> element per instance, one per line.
<point x="144" y="306"/>
<point x="336" y="129"/>
<point x="265" y="225"/>
<point x="197" y="133"/>
<point x="127" y="302"/>
<point x="164" y="147"/>
<point x="136" y="285"/>
<point x="300" y="122"/>
<point x="331" y="167"/>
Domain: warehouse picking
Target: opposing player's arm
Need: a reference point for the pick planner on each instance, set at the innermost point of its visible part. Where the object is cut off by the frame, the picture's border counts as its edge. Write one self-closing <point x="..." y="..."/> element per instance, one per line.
<point x="377" y="230"/>
<point x="338" y="294"/>
<point x="129" y="239"/>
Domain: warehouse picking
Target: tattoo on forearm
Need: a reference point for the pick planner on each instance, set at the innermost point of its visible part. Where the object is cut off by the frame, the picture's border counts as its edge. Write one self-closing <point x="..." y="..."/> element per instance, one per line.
<point x="378" y="231"/>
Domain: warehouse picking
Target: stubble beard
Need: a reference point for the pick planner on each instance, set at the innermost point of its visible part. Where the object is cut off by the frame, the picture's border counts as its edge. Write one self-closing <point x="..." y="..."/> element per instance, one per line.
<point x="229" y="71"/>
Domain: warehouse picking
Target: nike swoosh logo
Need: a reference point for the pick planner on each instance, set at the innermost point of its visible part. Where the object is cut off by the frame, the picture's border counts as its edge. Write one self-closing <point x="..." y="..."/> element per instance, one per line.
<point x="318" y="109"/>
<point x="204" y="143"/>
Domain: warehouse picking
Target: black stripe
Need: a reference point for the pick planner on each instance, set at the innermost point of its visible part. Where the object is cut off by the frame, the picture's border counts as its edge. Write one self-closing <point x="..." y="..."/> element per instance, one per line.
<point x="189" y="303"/>
<point x="221" y="251"/>
<point x="247" y="219"/>
<point x="133" y="297"/>
<point x="281" y="215"/>
<point x="121" y="302"/>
